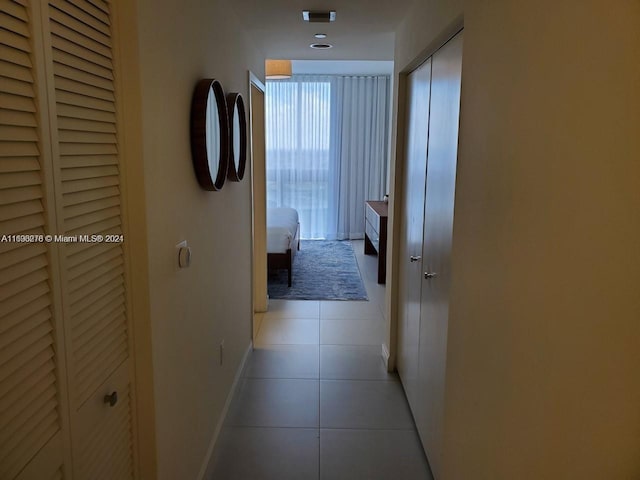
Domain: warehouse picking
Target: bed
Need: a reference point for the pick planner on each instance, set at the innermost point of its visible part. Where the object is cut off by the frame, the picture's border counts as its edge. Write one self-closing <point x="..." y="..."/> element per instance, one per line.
<point x="283" y="238"/>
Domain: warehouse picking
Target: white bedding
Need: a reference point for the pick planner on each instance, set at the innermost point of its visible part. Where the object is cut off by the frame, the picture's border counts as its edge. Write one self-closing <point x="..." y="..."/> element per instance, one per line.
<point x="282" y="224"/>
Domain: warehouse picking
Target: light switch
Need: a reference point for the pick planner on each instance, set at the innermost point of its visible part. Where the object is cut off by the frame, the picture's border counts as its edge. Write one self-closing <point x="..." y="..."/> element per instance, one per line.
<point x="184" y="254"/>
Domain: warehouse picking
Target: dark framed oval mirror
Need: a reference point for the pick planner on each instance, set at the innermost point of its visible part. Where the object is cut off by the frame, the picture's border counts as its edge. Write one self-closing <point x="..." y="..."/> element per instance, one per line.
<point x="210" y="134"/>
<point x="238" y="137"/>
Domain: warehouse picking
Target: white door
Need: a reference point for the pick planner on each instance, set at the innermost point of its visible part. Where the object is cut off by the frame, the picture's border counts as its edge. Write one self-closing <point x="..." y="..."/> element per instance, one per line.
<point x="84" y="126"/>
<point x="33" y="420"/>
<point x="418" y="92"/>
<point x="65" y="372"/>
<point x="436" y="251"/>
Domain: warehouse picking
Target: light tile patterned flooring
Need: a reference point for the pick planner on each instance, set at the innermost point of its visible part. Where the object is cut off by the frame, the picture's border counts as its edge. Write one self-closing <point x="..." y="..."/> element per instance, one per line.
<point x="315" y="401"/>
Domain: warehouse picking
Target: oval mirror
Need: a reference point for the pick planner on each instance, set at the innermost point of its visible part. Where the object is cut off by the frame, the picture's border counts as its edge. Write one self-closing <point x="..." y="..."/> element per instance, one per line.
<point x="210" y="134"/>
<point x="238" y="140"/>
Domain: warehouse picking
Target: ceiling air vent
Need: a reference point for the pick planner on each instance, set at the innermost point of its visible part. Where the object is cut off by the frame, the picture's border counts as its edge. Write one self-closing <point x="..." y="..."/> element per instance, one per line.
<point x="319" y="17"/>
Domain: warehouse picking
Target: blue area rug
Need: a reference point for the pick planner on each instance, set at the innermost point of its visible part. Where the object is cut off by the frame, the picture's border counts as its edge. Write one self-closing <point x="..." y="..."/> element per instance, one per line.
<point x="322" y="270"/>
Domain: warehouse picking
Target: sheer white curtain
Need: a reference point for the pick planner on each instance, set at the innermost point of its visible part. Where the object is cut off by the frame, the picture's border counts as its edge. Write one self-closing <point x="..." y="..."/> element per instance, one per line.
<point x="298" y="114"/>
<point x="360" y="150"/>
<point x="327" y="146"/>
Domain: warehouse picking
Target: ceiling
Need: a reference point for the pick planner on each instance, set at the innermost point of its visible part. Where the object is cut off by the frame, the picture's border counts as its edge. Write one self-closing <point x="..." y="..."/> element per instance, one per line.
<point x="363" y="29"/>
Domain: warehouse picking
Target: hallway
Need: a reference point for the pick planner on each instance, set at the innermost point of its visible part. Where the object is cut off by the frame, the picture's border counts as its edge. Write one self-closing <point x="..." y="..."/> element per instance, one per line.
<point x="315" y="401"/>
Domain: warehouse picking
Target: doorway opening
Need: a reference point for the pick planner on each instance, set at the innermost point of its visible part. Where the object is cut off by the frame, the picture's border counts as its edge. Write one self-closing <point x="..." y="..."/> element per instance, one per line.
<point x="327" y="154"/>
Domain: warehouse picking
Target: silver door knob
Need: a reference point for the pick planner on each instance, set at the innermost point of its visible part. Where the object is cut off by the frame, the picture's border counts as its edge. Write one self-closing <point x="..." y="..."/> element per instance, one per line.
<point x="414" y="258"/>
<point x="430" y="274"/>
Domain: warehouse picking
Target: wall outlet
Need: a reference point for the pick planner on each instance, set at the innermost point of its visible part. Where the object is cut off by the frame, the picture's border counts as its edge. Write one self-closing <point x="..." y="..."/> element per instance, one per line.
<point x="221" y="352"/>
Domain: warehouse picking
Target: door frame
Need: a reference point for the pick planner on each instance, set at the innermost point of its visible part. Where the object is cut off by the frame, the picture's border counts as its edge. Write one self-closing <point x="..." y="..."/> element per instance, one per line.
<point x="257" y="148"/>
<point x="125" y="32"/>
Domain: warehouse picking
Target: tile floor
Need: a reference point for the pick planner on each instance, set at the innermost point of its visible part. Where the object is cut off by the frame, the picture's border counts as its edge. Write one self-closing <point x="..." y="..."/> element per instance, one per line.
<point x="315" y="401"/>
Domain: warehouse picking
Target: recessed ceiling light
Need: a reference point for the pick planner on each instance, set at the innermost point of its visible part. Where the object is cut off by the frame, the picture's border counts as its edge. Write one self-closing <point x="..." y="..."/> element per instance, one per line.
<point x="321" y="46"/>
<point x="320" y="35"/>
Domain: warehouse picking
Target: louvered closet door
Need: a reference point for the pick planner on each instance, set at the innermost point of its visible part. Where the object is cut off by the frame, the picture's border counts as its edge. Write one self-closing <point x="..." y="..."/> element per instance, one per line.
<point x="30" y="422"/>
<point x="83" y="105"/>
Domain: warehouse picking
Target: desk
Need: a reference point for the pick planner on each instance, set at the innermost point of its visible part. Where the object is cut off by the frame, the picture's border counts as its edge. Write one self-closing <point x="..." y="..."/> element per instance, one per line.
<point x="375" y="234"/>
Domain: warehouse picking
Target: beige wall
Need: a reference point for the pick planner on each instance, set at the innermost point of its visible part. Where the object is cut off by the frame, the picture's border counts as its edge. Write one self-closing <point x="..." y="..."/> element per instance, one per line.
<point x="192" y="310"/>
<point x="544" y="329"/>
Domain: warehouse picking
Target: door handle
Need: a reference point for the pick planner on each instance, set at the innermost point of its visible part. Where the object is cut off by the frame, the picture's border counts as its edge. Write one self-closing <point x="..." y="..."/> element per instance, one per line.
<point x="430" y="274"/>
<point x="414" y="258"/>
<point x="111" y="399"/>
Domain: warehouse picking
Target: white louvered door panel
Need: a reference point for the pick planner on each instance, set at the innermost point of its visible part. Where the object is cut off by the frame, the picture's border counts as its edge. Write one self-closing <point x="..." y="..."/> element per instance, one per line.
<point x="104" y="450"/>
<point x="86" y="166"/>
<point x="30" y="422"/>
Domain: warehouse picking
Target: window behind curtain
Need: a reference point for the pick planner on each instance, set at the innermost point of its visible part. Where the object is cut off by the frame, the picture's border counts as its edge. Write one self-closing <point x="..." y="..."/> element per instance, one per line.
<point x="298" y="145"/>
<point x="327" y="150"/>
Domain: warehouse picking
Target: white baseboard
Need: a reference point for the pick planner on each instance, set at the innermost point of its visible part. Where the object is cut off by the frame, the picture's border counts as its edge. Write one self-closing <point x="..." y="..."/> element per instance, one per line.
<point x="207" y="460"/>
<point x="385" y="356"/>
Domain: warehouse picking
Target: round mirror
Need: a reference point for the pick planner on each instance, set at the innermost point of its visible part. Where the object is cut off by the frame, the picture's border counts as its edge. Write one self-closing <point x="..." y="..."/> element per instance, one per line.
<point x="238" y="125"/>
<point x="210" y="134"/>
